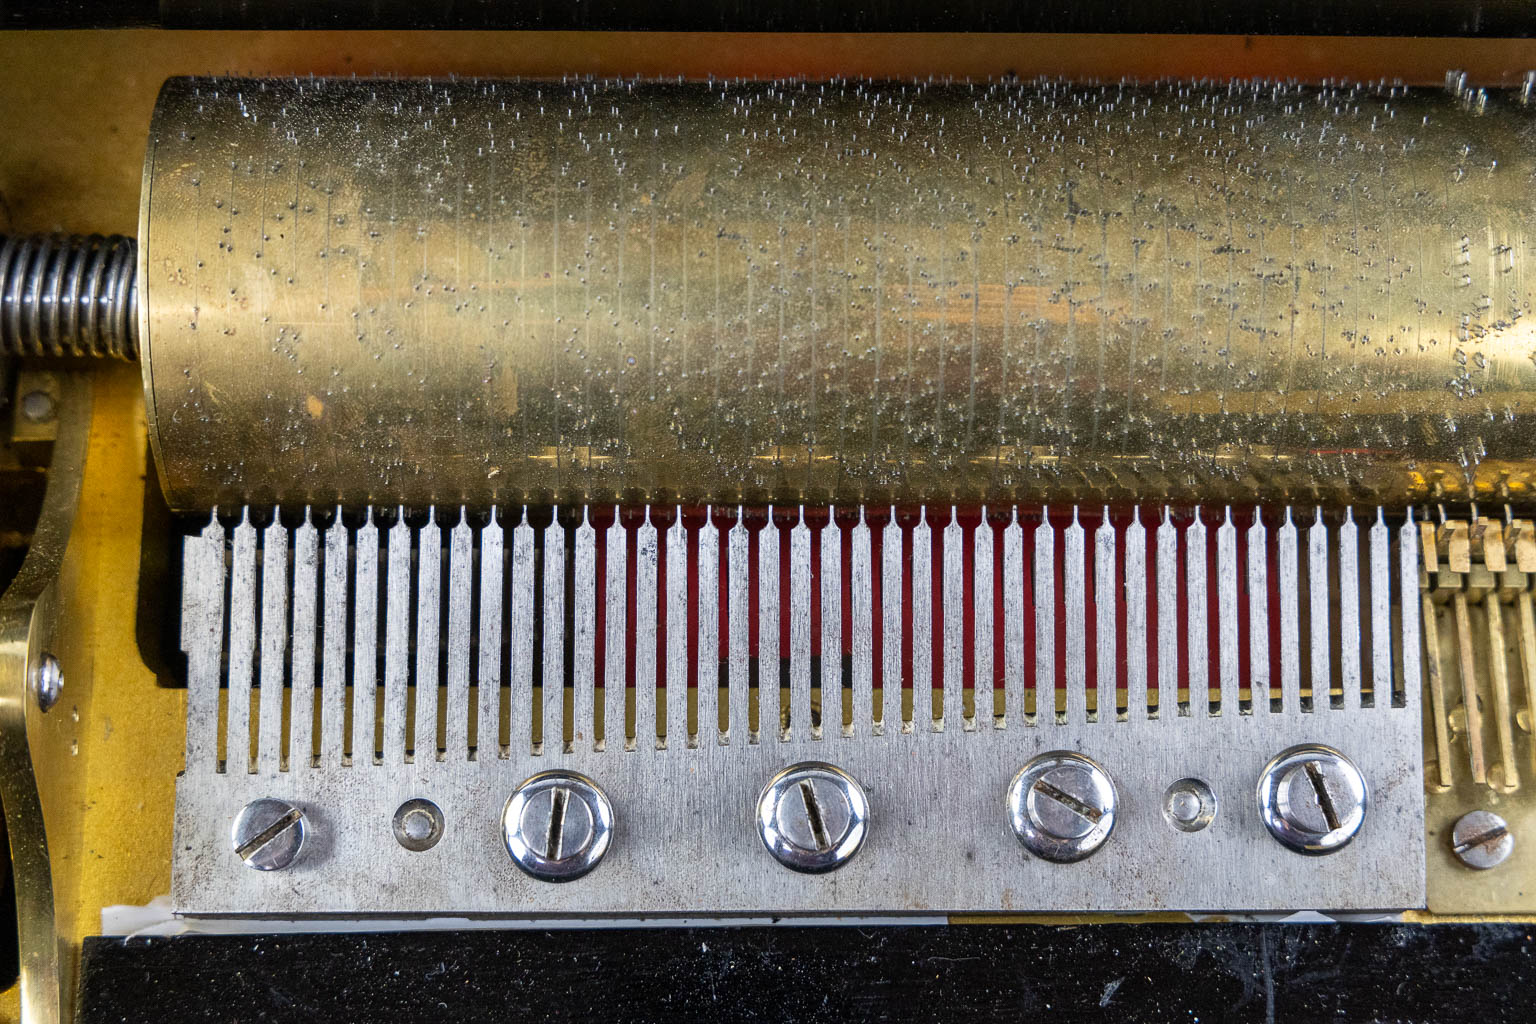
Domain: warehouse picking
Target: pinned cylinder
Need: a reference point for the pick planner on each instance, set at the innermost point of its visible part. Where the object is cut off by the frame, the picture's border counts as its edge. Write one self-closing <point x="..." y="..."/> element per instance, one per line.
<point x="473" y="292"/>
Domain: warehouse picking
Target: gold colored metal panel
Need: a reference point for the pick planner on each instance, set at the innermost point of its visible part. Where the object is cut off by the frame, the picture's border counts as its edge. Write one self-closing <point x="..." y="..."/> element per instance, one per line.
<point x="106" y="756"/>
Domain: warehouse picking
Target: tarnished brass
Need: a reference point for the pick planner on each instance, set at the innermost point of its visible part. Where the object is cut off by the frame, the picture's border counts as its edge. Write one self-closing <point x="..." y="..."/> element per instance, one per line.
<point x="32" y="624"/>
<point x="475" y="291"/>
<point x="1479" y="746"/>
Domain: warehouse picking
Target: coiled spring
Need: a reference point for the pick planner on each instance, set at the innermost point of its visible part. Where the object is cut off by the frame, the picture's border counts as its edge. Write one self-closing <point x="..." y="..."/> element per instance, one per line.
<point x="68" y="295"/>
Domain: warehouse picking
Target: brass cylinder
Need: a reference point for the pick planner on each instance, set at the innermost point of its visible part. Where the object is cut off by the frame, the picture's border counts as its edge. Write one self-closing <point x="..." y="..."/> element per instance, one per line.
<point x="475" y="291"/>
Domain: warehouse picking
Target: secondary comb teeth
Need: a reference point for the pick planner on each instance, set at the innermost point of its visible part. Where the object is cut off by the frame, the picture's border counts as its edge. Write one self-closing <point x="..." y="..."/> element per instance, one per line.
<point x="627" y="624"/>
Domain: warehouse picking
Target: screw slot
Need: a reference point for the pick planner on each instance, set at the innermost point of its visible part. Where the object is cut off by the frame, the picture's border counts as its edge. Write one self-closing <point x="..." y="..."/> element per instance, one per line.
<point x="418" y="825"/>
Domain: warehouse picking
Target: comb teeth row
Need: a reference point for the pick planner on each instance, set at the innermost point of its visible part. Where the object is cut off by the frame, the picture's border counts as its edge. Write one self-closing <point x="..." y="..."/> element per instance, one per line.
<point x="349" y="643"/>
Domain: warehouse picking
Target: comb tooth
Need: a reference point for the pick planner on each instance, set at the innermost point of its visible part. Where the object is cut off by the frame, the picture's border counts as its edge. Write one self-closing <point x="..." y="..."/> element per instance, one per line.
<point x="983" y="680"/>
<point x="769" y="713"/>
<point x="202" y="634"/>
<point x="832" y="624"/>
<point x="552" y="678"/>
<point x="739" y="598"/>
<point x="242" y="646"/>
<point x="1014" y="669"/>
<point x="1468" y="673"/>
<point x="1106" y="657"/>
<point x="584" y="640"/>
<point x="890" y="623"/>
<point x="677" y="632"/>
<point x="1167" y="618"/>
<point x="1136" y="617"/>
<point x="922" y="623"/>
<point x="333" y="641"/>
<point x="1408" y="581"/>
<point x="1226" y="610"/>
<point x="1076" y="605"/>
<point x="1439" y="709"/>
<point x="1196" y="595"/>
<point x="800" y="628"/>
<point x="520" y="671"/>
<point x="1381" y="610"/>
<point x="274" y="644"/>
<point x="488" y="676"/>
<point x="1498" y="679"/>
<point x="861" y="591"/>
<point x="1431" y="548"/>
<point x="461" y="552"/>
<point x="1317" y="596"/>
<point x="646" y="562"/>
<point x="365" y="639"/>
<point x="397" y="639"/>
<point x="1258" y="611"/>
<point x="1527" y="622"/>
<point x="306" y="585"/>
<point x="1290" y="619"/>
<point x="1349" y="611"/>
<point x="429" y="603"/>
<point x="1045" y="616"/>
<point x="953" y="593"/>
<point x="614" y="666"/>
<point x="707" y="688"/>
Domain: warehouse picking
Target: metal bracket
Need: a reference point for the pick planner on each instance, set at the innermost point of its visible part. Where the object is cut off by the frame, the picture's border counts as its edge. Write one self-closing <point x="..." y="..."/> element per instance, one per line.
<point x="28" y="620"/>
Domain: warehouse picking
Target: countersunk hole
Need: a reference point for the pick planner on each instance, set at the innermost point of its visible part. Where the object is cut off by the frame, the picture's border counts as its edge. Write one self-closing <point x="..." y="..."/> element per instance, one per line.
<point x="418" y="825"/>
<point x="1189" y="805"/>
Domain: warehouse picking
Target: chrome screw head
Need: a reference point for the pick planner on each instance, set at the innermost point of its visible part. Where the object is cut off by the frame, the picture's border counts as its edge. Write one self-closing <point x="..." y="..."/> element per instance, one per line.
<point x="268" y="835"/>
<point x="557" y="826"/>
<point x="1482" y="840"/>
<point x="47" y="682"/>
<point x="813" y="816"/>
<point x="38" y="406"/>
<point x="1062" y="806"/>
<point x="1312" y="799"/>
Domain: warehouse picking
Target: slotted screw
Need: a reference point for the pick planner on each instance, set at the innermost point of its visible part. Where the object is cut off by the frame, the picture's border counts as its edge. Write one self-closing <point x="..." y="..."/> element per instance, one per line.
<point x="268" y="835"/>
<point x="813" y="816"/>
<point x="557" y="826"/>
<point x="1312" y="799"/>
<point x="1482" y="840"/>
<point x="1062" y="806"/>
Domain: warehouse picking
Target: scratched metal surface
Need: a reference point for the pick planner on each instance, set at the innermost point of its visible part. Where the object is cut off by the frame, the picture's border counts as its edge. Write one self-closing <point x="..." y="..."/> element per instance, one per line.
<point x="477" y="291"/>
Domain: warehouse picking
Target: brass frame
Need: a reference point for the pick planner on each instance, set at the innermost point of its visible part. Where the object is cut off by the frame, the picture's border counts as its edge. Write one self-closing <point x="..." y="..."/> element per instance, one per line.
<point x="29" y="626"/>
